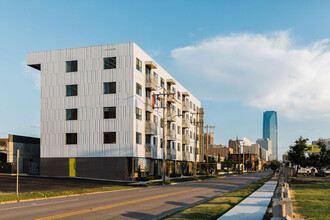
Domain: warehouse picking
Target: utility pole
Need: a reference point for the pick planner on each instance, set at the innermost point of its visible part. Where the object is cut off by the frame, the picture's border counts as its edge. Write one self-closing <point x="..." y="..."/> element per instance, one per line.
<point x="164" y="95"/>
<point x="197" y="124"/>
<point x="207" y="148"/>
<point x="17" y="171"/>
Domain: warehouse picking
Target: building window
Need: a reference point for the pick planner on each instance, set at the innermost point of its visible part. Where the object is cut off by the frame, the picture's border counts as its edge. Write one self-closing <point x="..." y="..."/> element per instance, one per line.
<point x="71" y="138"/>
<point x="138" y="89"/>
<point x="161" y="143"/>
<point x="179" y="147"/>
<point x="71" y="90"/>
<point x="179" y="130"/>
<point x="109" y="63"/>
<point x="155" y="119"/>
<point x="179" y="95"/>
<point x="148" y="139"/>
<point x="109" y="112"/>
<point x="155" y="141"/>
<point x="138" y="113"/>
<point x="138" y="138"/>
<point x="161" y="123"/>
<point x="109" y="137"/>
<point x="194" y="107"/>
<point x="162" y="82"/>
<point x="190" y="149"/>
<point x="71" y="66"/>
<point x="138" y="65"/>
<point x="109" y="88"/>
<point x="71" y="114"/>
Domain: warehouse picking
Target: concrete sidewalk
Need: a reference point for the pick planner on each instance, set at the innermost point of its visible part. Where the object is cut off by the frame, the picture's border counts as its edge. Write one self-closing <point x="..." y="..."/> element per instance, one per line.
<point x="255" y="206"/>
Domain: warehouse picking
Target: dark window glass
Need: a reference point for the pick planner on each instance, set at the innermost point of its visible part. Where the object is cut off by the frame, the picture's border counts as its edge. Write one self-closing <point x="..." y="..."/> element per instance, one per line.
<point x="109" y="137"/>
<point x="72" y="66"/>
<point x="138" y="65"/>
<point x="148" y="139"/>
<point x="109" y="63"/>
<point x="138" y="138"/>
<point x="109" y="87"/>
<point x="71" y="138"/>
<point x="71" y="114"/>
<point x="138" y="113"/>
<point x="138" y="89"/>
<point x="109" y="112"/>
<point x="71" y="90"/>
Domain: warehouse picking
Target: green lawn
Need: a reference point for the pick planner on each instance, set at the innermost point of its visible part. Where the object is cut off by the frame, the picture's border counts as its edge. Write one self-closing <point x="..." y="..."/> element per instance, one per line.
<point x="214" y="208"/>
<point x="312" y="200"/>
<point x="36" y="195"/>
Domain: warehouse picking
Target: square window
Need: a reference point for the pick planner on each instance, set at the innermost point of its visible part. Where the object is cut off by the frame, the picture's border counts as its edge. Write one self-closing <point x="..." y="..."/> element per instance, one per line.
<point x="138" y="113"/>
<point x="138" y="89"/>
<point x="72" y="114"/>
<point x="138" y="138"/>
<point x="71" y="66"/>
<point x="162" y="82"/>
<point x="109" y="137"/>
<point x="71" y="138"/>
<point x="109" y="112"/>
<point x="156" y="141"/>
<point x="109" y="63"/>
<point x="109" y="88"/>
<point x="71" y="90"/>
<point x="138" y="65"/>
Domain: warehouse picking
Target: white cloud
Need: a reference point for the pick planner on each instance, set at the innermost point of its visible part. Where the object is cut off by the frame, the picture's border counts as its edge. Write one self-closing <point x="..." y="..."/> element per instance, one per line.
<point x="33" y="74"/>
<point x="266" y="71"/>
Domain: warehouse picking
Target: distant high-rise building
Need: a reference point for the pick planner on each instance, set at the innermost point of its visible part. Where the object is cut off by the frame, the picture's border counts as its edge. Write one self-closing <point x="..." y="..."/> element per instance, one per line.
<point x="270" y="131"/>
<point x="266" y="144"/>
<point x="235" y="145"/>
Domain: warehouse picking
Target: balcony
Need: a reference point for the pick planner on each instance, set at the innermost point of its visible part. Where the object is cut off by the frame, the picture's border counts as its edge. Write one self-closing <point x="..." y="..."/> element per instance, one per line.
<point x="185" y="123"/>
<point x="149" y="148"/>
<point x="171" y="135"/>
<point x="171" y="81"/>
<point x="171" y="98"/>
<point x="151" y="82"/>
<point x="185" y="107"/>
<point x="149" y="105"/>
<point x="185" y="156"/>
<point x="151" y="64"/>
<point x="150" y="127"/>
<point x="170" y="154"/>
<point x="170" y="115"/>
<point x="185" y="139"/>
<point x="185" y="94"/>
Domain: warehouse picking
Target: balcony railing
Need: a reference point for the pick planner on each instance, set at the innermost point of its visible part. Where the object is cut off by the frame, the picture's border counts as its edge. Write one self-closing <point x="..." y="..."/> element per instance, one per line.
<point x="150" y="127"/>
<point x="171" y="115"/>
<point x="185" y="139"/>
<point x="185" y="156"/>
<point x="151" y="82"/>
<point x="185" y="107"/>
<point x="171" y="135"/>
<point x="149" y="105"/>
<point x="171" y="154"/>
<point x="185" y="123"/>
<point x="149" y="150"/>
<point x="170" y="98"/>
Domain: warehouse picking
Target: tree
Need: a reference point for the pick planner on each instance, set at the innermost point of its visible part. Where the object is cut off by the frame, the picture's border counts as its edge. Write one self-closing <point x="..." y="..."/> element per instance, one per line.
<point x="248" y="165"/>
<point x="319" y="160"/>
<point x="296" y="153"/>
<point x="257" y="164"/>
<point x="274" y="164"/>
<point x="228" y="164"/>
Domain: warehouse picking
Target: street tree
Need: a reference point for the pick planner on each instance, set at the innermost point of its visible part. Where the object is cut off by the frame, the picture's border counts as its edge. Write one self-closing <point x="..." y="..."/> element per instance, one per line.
<point x="249" y="165"/>
<point x="319" y="160"/>
<point x="297" y="155"/>
<point x="274" y="164"/>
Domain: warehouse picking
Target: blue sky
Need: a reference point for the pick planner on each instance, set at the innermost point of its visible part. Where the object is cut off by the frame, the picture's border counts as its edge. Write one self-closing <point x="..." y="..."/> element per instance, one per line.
<point x="239" y="58"/>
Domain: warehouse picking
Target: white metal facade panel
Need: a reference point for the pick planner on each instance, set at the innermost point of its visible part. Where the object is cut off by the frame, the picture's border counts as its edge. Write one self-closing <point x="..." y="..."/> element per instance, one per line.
<point x="91" y="100"/>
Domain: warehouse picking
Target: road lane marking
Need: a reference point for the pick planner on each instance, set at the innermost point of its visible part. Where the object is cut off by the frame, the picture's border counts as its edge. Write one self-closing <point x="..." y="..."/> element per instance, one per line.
<point x="114" y="205"/>
<point x="36" y="204"/>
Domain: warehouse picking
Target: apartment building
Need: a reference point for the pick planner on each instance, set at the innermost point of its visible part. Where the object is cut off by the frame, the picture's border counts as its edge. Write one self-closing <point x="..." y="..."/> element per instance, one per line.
<point x="101" y="116"/>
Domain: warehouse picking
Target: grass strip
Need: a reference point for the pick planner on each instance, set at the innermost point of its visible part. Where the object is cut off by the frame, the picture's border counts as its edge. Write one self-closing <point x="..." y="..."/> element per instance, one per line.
<point x="311" y="200"/>
<point x="216" y="207"/>
<point x="36" y="195"/>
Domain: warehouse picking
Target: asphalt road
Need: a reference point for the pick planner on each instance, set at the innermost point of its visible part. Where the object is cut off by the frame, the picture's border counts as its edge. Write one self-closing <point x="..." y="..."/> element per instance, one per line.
<point x="43" y="184"/>
<point x="140" y="203"/>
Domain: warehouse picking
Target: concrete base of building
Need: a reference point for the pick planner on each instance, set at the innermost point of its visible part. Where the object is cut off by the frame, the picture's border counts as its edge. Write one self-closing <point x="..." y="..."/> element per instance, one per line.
<point x="112" y="168"/>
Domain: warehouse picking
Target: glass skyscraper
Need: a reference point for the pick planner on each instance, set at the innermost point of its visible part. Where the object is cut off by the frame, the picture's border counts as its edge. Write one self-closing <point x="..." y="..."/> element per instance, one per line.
<point x="270" y="131"/>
